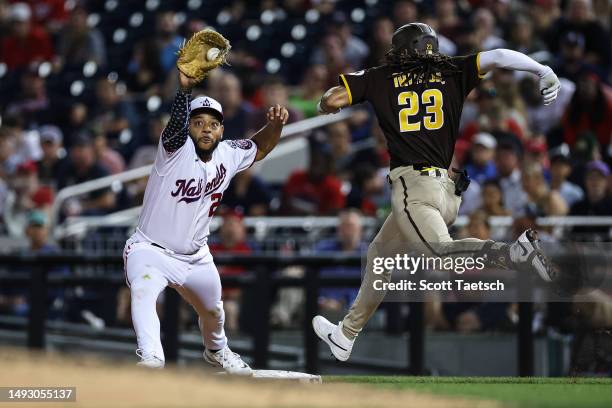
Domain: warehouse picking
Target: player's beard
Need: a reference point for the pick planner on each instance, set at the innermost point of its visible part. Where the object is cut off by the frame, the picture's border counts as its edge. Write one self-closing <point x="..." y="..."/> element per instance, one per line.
<point x="205" y="154"/>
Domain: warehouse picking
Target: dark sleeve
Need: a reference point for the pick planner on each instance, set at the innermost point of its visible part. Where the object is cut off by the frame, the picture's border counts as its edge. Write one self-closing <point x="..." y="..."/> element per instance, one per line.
<point x="468" y="75"/>
<point x="176" y="131"/>
<point x="357" y="85"/>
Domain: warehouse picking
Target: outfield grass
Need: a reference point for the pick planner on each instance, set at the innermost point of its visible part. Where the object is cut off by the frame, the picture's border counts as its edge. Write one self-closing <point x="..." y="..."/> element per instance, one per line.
<point x="512" y="391"/>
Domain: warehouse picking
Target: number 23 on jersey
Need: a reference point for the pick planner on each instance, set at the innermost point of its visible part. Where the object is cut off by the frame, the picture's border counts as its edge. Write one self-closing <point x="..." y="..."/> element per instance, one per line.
<point x="431" y="100"/>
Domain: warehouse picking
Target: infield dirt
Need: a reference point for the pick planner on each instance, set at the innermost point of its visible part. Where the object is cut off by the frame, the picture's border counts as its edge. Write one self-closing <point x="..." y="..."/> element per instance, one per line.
<point x="108" y="384"/>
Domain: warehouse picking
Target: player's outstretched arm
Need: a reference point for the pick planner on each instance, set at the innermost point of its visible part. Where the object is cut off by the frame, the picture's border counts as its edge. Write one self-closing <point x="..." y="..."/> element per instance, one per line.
<point x="509" y="59"/>
<point x="267" y="138"/>
<point x="333" y="100"/>
<point x="176" y="132"/>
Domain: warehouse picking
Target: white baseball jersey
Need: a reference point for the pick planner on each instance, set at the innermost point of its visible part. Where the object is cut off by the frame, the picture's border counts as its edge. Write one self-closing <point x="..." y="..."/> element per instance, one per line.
<point x="183" y="192"/>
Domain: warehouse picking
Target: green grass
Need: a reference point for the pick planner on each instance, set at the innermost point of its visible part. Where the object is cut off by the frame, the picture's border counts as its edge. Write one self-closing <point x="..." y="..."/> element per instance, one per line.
<point x="533" y="392"/>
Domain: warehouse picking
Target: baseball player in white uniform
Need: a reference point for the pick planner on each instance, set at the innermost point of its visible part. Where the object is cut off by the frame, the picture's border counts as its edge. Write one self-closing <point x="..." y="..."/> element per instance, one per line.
<point x="192" y="169"/>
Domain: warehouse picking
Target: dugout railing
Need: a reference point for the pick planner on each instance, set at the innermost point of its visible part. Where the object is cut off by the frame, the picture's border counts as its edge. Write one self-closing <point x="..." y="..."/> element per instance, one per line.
<point x="39" y="280"/>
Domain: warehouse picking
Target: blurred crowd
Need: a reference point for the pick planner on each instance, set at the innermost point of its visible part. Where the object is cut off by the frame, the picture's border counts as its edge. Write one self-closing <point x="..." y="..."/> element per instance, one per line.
<point x="86" y="86"/>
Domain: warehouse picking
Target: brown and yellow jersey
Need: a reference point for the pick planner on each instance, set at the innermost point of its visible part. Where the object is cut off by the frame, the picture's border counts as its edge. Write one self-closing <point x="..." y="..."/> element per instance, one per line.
<point x="420" y="121"/>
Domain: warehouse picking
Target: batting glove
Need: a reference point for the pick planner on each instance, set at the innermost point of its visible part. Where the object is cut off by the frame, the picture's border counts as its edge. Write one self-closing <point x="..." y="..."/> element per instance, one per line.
<point x="549" y="86"/>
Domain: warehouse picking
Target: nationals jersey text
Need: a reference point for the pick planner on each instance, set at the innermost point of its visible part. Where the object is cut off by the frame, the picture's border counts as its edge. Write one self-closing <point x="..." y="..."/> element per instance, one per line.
<point x="183" y="192"/>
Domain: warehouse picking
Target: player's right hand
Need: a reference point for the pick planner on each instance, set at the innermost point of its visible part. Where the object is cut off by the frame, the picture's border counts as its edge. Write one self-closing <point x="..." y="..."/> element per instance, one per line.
<point x="549" y="87"/>
<point x="186" y="82"/>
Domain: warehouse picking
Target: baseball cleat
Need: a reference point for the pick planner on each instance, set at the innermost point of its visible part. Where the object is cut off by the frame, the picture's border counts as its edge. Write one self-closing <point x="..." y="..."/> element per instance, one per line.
<point x="228" y="360"/>
<point x="332" y="335"/>
<point x="149" y="360"/>
<point x="526" y="251"/>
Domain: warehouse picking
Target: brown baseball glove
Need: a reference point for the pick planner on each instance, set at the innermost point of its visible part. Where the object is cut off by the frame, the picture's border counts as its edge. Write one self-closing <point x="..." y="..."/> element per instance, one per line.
<point x="192" y="57"/>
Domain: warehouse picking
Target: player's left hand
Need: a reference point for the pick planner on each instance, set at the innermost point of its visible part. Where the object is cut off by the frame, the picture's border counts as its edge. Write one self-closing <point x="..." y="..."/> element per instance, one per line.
<point x="277" y="115"/>
<point x="549" y="87"/>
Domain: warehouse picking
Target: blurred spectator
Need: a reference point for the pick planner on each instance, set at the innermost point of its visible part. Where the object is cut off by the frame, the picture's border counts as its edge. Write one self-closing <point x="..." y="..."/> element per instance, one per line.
<point x="507" y="161"/>
<point x="493" y="200"/>
<point x="274" y="91"/>
<point x="376" y="154"/>
<point x="27" y="43"/>
<point x="26" y="142"/>
<point x="382" y="33"/>
<point x="145" y="73"/>
<point x="15" y="300"/>
<point x="310" y="90"/>
<point x="32" y="104"/>
<point x="334" y="58"/>
<point x="52" y="14"/>
<point x="315" y="191"/>
<point x="493" y="116"/>
<point x="509" y="94"/>
<point x="115" y="116"/>
<point x="597" y="201"/>
<point x="107" y="157"/>
<point x="51" y="144"/>
<point x="445" y="45"/>
<point x="478" y="226"/>
<point x="404" y="12"/>
<point x="543" y="13"/>
<point x="82" y="166"/>
<point x="236" y="111"/>
<point x="247" y="194"/>
<point x="349" y="240"/>
<point x="571" y="61"/>
<point x="146" y="152"/>
<point x="589" y="110"/>
<point x="367" y="190"/>
<point x="168" y="39"/>
<point x="482" y="165"/>
<point x="542" y="118"/>
<point x="579" y="18"/>
<point x="354" y="50"/>
<point x="79" y="43"/>
<point x="485" y="24"/>
<point x="522" y="38"/>
<point x="541" y="200"/>
<point x="75" y="121"/>
<point x="536" y="151"/>
<point x="8" y="157"/>
<point x="449" y="23"/>
<point x="27" y="194"/>
<point x="341" y="149"/>
<point x="560" y="170"/>
<point x="232" y="239"/>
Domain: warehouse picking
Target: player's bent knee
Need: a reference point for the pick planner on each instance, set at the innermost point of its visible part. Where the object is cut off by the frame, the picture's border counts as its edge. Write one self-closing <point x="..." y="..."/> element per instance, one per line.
<point x="216" y="311"/>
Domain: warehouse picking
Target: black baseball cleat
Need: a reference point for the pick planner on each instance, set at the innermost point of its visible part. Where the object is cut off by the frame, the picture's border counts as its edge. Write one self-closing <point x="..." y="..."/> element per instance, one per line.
<point x="526" y="252"/>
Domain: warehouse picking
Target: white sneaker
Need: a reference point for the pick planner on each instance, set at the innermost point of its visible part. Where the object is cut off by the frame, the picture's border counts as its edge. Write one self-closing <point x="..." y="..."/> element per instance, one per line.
<point x="526" y="251"/>
<point x="149" y="360"/>
<point x="228" y="360"/>
<point x="332" y="335"/>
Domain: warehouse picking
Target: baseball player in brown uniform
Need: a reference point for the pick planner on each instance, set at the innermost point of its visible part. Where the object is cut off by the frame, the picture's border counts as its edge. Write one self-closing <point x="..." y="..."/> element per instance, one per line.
<point x="418" y="96"/>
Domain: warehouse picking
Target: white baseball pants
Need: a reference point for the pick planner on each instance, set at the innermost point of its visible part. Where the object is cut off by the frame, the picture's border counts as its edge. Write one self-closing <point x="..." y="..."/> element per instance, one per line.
<point x="149" y="270"/>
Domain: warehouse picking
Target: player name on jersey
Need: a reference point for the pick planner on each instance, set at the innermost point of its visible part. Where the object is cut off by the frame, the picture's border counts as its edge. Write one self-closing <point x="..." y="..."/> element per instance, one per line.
<point x="403" y="80"/>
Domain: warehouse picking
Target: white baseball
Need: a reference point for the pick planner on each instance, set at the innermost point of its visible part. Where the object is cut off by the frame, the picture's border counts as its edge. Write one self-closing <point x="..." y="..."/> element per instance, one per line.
<point x="212" y="54"/>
